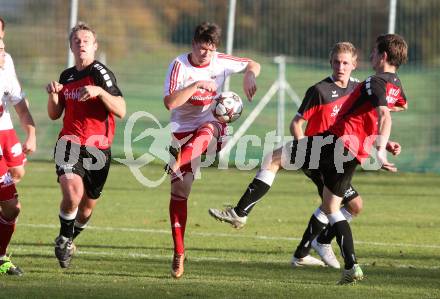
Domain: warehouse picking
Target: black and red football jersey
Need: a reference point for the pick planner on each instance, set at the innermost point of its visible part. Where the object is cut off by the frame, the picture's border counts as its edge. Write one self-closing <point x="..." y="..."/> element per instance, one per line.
<point x="321" y="104"/>
<point x="89" y="118"/>
<point x="358" y="120"/>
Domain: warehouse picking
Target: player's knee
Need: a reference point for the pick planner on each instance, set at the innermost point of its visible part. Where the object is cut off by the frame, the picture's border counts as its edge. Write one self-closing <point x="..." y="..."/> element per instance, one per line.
<point x="208" y="130"/>
<point x="17" y="173"/>
<point x="15" y="212"/>
<point x="183" y="187"/>
<point x="355" y="206"/>
<point x="272" y="161"/>
<point x="72" y="190"/>
<point x="11" y="212"/>
<point x="208" y="126"/>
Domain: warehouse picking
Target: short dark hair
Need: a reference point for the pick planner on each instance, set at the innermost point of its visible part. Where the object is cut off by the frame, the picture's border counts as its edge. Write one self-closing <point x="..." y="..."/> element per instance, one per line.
<point x="395" y="47"/>
<point x="82" y="26"/>
<point x="3" y="23"/>
<point x="209" y="33"/>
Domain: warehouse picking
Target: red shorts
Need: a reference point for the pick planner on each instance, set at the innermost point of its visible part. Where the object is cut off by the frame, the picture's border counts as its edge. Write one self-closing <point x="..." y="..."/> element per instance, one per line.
<point x="223" y="128"/>
<point x="12" y="152"/>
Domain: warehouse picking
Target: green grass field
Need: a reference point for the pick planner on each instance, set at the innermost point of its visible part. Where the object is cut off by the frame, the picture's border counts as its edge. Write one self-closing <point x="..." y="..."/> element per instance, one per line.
<point x="126" y="252"/>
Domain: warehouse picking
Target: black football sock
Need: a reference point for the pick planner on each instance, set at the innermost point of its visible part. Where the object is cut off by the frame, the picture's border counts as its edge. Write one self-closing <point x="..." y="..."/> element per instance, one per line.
<point x="314" y="228"/>
<point x="344" y="238"/>
<point x="77" y="230"/>
<point x="254" y="192"/>
<point x="66" y="229"/>
<point x="79" y="227"/>
<point x="327" y="235"/>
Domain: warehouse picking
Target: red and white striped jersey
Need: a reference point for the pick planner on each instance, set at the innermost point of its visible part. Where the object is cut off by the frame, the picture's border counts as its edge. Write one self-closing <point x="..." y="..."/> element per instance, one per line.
<point x="10" y="93"/>
<point x="9" y="65"/>
<point x="181" y="73"/>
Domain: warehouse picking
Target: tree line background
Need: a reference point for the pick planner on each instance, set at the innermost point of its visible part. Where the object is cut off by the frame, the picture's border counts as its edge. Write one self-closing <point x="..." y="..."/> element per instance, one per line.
<point x="300" y="28"/>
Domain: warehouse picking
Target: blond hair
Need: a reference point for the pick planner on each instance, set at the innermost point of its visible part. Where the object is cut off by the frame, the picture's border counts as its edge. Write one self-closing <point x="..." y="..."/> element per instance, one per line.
<point x="344" y="47"/>
<point x="82" y="26"/>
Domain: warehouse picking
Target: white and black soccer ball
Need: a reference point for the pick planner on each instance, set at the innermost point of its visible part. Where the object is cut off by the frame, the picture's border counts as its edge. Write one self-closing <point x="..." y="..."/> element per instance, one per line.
<point x="228" y="107"/>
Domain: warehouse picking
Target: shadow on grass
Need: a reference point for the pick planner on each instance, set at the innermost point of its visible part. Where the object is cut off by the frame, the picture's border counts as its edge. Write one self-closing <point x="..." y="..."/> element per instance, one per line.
<point x="85" y="246"/>
<point x="404" y="257"/>
<point x="110" y="277"/>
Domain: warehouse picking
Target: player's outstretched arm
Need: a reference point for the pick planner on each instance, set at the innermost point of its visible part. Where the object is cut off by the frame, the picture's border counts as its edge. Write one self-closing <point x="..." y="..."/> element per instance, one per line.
<point x="54" y="107"/>
<point x="28" y="125"/>
<point x="181" y="96"/>
<point x="249" y="80"/>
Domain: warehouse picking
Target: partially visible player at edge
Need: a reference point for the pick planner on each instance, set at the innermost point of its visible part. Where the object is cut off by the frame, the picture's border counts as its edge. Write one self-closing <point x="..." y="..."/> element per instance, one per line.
<point x="363" y="120"/>
<point x="9" y="204"/>
<point x="13" y="152"/>
<point x="89" y="97"/>
<point x="192" y="82"/>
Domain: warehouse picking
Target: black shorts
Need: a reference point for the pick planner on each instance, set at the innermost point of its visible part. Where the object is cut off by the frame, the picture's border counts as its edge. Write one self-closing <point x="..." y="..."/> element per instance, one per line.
<point x="92" y="165"/>
<point x="316" y="177"/>
<point x="335" y="176"/>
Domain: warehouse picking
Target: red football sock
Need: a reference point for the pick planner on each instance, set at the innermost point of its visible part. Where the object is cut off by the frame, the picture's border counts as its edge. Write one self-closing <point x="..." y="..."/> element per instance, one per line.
<point x="197" y="145"/>
<point x="178" y="214"/>
<point x="7" y="228"/>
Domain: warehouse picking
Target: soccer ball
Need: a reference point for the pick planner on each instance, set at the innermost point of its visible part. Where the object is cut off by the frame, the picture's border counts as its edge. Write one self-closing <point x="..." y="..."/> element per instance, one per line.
<point x="228" y="107"/>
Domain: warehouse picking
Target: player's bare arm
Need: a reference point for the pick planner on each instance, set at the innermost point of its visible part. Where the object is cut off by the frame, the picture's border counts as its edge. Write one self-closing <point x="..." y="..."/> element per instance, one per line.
<point x="249" y="80"/>
<point x="54" y="107"/>
<point x="180" y="97"/>
<point x="28" y="125"/>
<point x="385" y="123"/>
<point x="114" y="104"/>
<point x="296" y="127"/>
<point x="399" y="108"/>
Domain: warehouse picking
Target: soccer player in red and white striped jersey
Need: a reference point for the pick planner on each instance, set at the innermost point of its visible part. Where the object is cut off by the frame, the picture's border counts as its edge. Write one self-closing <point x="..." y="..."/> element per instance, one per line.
<point x="9" y="204"/>
<point x="13" y="152"/>
<point x="192" y="82"/>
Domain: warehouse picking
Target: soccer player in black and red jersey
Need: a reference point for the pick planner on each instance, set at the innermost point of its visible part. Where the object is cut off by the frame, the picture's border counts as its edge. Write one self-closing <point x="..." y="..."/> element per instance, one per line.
<point x="363" y="122"/>
<point x="319" y="110"/>
<point x="89" y="97"/>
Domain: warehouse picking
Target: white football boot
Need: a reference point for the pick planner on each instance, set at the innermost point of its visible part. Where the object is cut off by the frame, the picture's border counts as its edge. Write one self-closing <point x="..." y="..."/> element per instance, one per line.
<point x="326" y="253"/>
<point x="308" y="260"/>
<point x="228" y="215"/>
